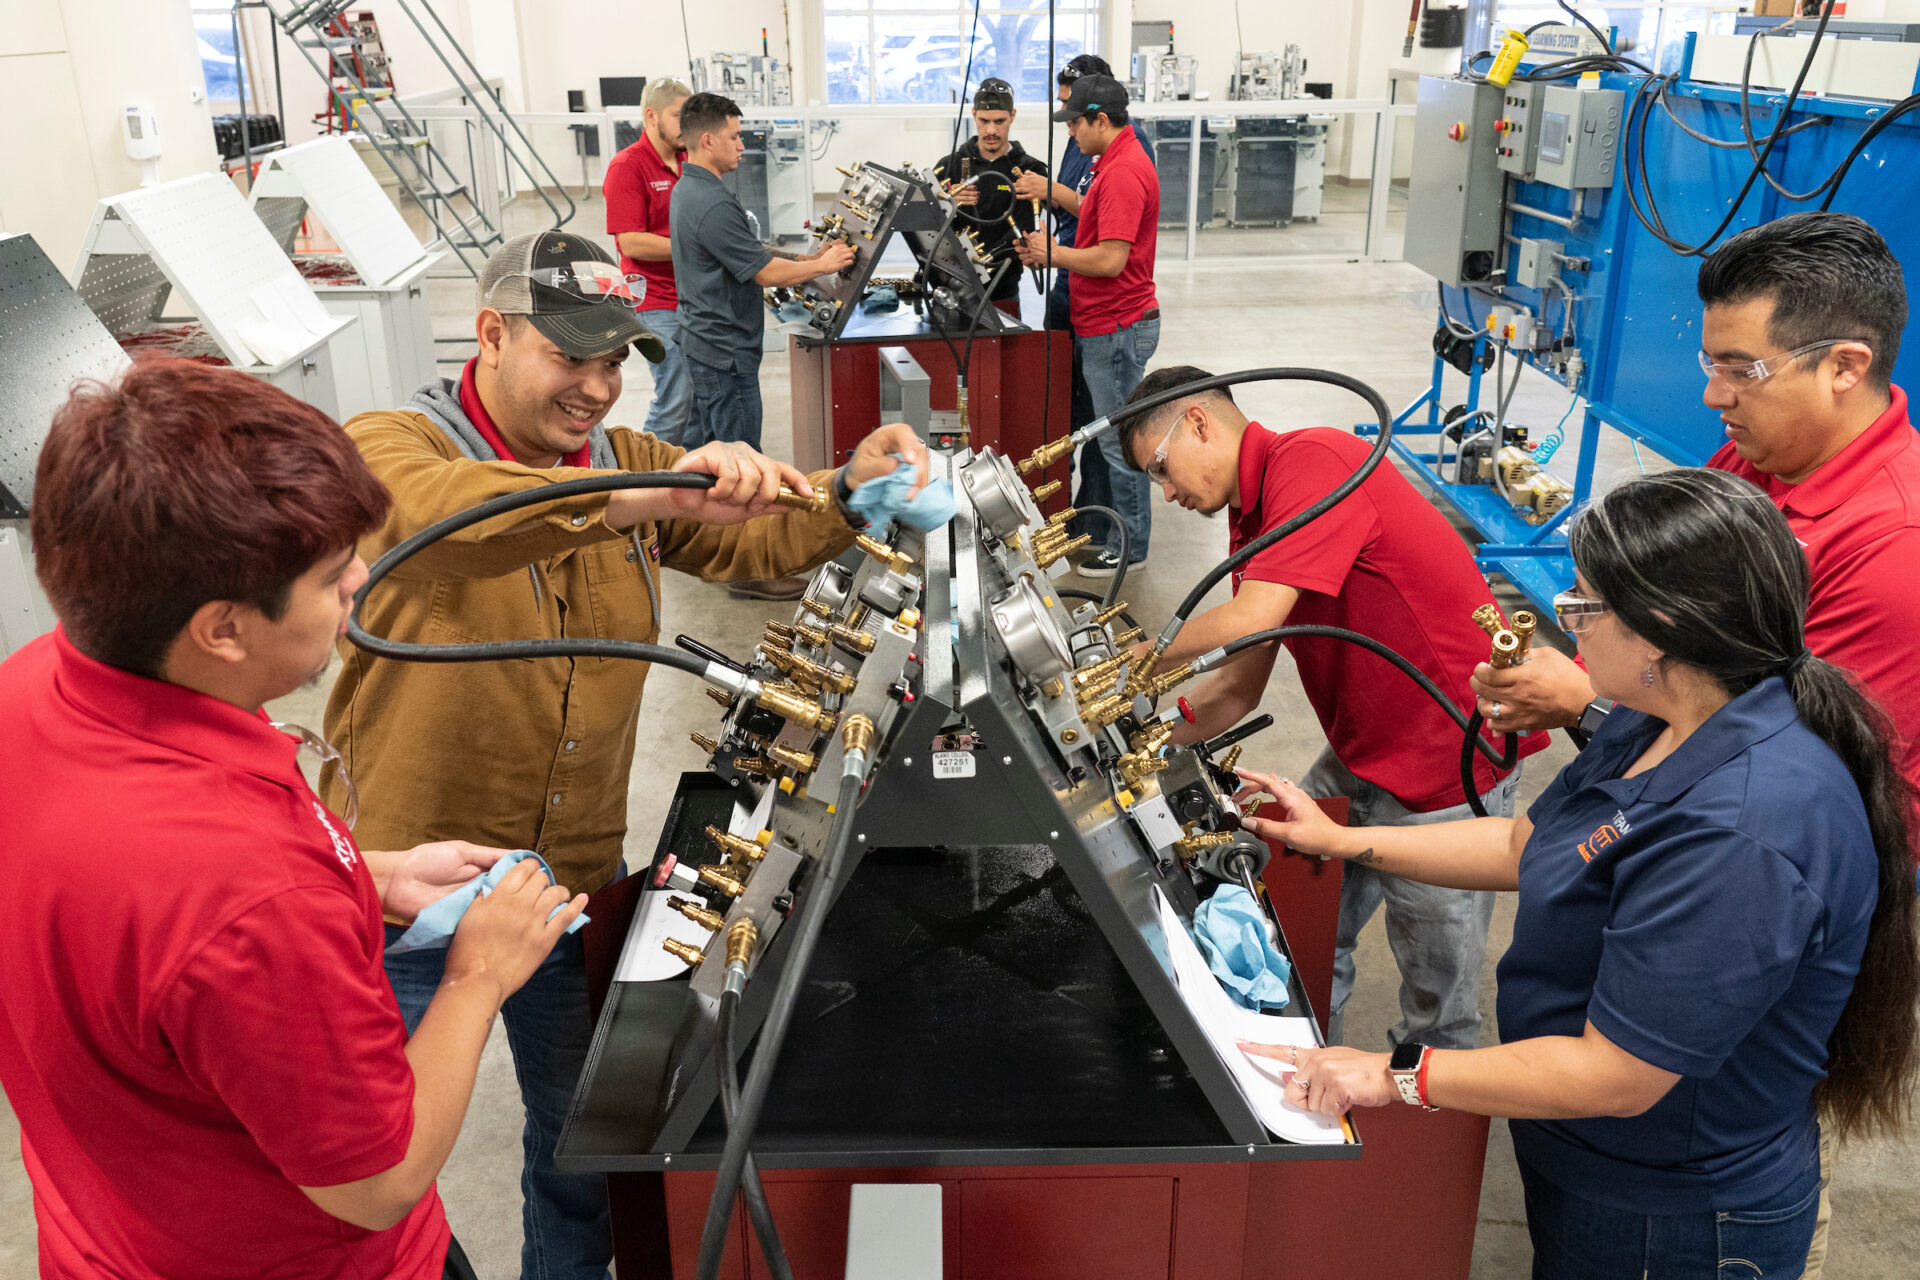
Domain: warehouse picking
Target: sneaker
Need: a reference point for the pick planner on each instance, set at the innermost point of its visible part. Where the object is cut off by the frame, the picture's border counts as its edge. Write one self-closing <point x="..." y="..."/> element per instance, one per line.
<point x="1104" y="565"/>
<point x="768" y="589"/>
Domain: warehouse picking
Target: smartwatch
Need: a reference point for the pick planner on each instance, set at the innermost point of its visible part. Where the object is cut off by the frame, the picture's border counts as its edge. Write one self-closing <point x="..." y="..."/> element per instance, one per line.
<point x="1404" y="1066"/>
<point x="1590" y="721"/>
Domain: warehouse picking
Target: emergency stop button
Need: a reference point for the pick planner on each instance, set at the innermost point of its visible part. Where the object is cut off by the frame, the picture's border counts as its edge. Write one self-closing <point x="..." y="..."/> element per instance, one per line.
<point x="1458" y="131"/>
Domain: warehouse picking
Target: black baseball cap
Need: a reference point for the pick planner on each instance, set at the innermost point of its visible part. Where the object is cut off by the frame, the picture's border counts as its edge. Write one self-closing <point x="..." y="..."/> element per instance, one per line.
<point x="572" y="292"/>
<point x="1092" y="96"/>
<point x="993" y="95"/>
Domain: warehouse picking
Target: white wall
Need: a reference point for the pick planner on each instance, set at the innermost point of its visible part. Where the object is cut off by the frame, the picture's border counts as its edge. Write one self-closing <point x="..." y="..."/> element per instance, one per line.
<point x="69" y="66"/>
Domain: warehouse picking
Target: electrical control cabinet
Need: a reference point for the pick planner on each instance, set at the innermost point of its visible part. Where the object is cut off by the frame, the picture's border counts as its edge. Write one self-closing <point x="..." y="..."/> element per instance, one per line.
<point x="1454" y="203"/>
<point x="1578" y="143"/>
<point x="1519" y="129"/>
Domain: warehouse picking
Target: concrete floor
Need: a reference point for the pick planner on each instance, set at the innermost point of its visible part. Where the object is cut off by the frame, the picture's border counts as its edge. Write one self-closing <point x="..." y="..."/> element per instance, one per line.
<point x="1373" y="321"/>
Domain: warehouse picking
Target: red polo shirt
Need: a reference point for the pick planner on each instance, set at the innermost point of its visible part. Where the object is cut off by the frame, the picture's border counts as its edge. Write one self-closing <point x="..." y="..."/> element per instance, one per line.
<point x="1858" y="516"/>
<point x="638" y="188"/>
<point x="1122" y="204"/>
<point x="194" y="1022"/>
<point x="1386" y="564"/>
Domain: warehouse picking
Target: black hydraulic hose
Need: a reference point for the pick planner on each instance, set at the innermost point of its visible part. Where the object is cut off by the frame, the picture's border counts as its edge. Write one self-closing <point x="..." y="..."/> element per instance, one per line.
<point x="758" y="1211"/>
<point x="1469" y="724"/>
<point x="811" y="919"/>
<point x="1126" y="550"/>
<point x="493" y="651"/>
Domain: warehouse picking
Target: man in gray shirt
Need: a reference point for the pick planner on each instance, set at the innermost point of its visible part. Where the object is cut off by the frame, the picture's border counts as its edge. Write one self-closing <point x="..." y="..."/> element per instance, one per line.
<point x="720" y="267"/>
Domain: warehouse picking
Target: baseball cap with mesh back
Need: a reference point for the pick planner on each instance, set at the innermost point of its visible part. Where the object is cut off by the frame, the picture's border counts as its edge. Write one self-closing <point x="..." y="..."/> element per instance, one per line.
<point x="570" y="290"/>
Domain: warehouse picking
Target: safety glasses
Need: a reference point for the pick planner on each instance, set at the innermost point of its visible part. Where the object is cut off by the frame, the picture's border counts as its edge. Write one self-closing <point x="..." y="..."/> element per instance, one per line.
<point x="1753" y="371"/>
<point x="1576" y="613"/>
<point x="1157" y="468"/>
<point x="325" y="754"/>
<point x="588" y="279"/>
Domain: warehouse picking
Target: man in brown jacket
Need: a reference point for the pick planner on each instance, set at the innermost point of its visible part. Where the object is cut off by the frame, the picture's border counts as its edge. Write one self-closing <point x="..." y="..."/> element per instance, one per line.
<point x="536" y="754"/>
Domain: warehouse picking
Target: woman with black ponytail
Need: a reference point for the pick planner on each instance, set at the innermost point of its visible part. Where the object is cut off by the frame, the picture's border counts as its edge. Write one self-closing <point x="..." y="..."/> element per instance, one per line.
<point x="1715" y="942"/>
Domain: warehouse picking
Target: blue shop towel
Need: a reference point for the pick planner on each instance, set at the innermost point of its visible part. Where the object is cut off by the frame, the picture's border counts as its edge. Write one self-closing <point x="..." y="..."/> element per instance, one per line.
<point x="884" y="498"/>
<point x="434" y="927"/>
<point x="880" y="298"/>
<point x="1232" y="932"/>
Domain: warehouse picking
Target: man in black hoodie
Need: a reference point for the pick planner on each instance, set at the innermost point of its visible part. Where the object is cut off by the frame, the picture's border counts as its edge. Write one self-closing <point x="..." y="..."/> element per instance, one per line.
<point x="982" y="173"/>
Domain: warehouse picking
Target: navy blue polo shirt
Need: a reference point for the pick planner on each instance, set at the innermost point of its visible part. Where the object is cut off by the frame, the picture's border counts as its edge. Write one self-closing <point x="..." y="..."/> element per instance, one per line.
<point x="1708" y="916"/>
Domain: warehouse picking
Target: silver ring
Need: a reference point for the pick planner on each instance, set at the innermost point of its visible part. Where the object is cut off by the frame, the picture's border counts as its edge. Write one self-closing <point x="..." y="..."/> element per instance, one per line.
<point x="1295" y="1059"/>
<point x="1494" y="713"/>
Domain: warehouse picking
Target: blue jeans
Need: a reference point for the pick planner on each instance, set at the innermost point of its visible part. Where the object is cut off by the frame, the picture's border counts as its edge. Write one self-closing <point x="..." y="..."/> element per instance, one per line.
<point x="563" y="1215"/>
<point x="1438" y="936"/>
<point x="1577" y="1239"/>
<point x="1113" y="365"/>
<point x="672" y="406"/>
<point x="726" y="405"/>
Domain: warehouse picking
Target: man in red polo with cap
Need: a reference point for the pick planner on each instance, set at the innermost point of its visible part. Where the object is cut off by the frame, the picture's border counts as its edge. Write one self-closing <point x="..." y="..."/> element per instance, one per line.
<point x="639" y="193"/>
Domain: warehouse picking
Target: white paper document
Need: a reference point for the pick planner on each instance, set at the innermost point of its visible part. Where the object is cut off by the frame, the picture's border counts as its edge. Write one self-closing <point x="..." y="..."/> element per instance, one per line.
<point x="1262" y="1080"/>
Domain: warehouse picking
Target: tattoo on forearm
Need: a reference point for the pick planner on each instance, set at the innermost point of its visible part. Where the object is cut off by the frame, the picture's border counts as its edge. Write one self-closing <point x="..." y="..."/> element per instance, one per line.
<point x="1365" y="856"/>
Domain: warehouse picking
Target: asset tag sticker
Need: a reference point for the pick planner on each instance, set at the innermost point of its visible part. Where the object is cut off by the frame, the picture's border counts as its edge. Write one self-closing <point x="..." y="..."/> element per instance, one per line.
<point x="953" y="764"/>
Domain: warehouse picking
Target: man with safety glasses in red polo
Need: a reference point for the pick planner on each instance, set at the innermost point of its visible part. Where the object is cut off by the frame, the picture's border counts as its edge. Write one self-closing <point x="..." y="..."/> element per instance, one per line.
<point x="1799" y="335"/>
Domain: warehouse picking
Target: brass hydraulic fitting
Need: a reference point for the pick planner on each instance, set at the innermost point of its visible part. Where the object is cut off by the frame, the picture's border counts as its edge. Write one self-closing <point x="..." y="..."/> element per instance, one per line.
<point x="1046" y="491"/>
<point x="1054" y="687"/>
<point x="801" y="711"/>
<point x="1109" y="613"/>
<point x="1046" y="455"/>
<point x="1152" y="738"/>
<point x="814" y="636"/>
<point x="693" y="911"/>
<point x="849" y="172"/>
<point x="1053" y="553"/>
<point x="851" y="638"/>
<point x="752" y="766"/>
<point x="1098" y="679"/>
<point x="1131" y="636"/>
<point x="807" y="670"/>
<point x="720" y="696"/>
<point x="1107" y="710"/>
<point x="684" y="950"/>
<point x="1138" y="767"/>
<point x="1167" y="682"/>
<point x="798" y="761"/>
<point x="1192" y="846"/>
<point x="737" y="848"/>
<point x="715" y="878"/>
<point x="1252" y="806"/>
<point x="1061" y="517"/>
<point x="1506" y="649"/>
<point x="1137" y="678"/>
<point x="1487" y="618"/>
<point x="741" y="940"/>
<point x="857" y="734"/>
<point x="705" y="743"/>
<point x="817" y="608"/>
<point x="894" y="560"/>
<point x="1524" y="625"/>
<point x="785" y="630"/>
<point x="819" y="504"/>
<point x="1230" y="759"/>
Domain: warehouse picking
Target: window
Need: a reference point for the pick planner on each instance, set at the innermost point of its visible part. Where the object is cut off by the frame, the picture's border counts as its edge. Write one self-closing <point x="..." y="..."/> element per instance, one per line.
<point x="1651" y="31"/>
<point x="213" y="29"/>
<point x="918" y="50"/>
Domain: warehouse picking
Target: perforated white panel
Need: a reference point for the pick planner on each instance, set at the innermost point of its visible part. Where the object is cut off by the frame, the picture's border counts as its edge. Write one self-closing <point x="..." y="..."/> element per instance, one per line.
<point x="48" y="341"/>
<point x="343" y="193"/>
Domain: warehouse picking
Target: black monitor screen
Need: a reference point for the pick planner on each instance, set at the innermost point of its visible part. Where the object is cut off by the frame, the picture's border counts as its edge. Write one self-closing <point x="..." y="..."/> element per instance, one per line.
<point x="622" y="91"/>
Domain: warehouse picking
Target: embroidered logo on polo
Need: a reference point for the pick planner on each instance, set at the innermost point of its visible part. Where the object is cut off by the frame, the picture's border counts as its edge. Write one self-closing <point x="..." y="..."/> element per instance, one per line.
<point x="342" y="847"/>
<point x="1605" y="836"/>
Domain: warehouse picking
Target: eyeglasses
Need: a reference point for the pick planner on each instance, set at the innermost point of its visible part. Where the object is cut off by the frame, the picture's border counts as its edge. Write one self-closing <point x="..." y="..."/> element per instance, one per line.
<point x="325" y="753"/>
<point x="587" y="279"/>
<point x="1157" y="468"/>
<point x="1576" y="613"/>
<point x="1761" y="370"/>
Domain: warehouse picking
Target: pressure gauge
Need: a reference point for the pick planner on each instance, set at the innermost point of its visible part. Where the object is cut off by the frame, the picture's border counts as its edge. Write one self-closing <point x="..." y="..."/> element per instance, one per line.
<point x="1026" y="628"/>
<point x="1004" y="503"/>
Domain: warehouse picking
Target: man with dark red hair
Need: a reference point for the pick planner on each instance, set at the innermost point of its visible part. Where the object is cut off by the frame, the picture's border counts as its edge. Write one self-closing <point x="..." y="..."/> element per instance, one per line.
<point x="210" y="1073"/>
